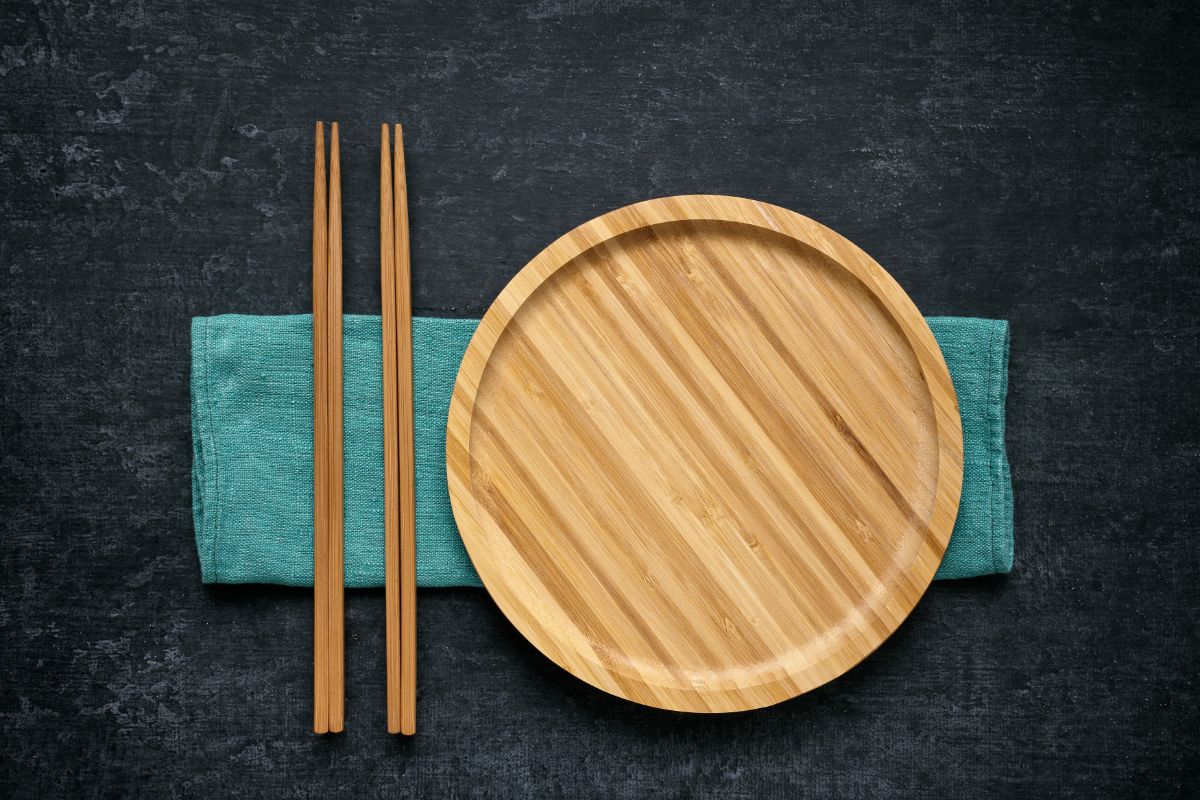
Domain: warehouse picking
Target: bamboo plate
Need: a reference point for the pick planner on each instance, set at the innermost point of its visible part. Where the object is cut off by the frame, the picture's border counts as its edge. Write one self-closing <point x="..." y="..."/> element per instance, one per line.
<point x="704" y="453"/>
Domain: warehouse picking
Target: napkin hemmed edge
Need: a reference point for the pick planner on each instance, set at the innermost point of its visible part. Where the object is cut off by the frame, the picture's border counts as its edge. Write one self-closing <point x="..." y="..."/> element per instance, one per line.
<point x="205" y="500"/>
<point x="1002" y="535"/>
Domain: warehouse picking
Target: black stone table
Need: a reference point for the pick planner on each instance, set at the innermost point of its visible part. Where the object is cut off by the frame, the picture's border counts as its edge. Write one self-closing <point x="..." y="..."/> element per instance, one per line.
<point x="1034" y="161"/>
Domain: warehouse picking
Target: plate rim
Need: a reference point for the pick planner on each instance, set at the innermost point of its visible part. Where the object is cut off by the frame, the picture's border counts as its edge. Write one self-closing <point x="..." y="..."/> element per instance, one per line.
<point x="728" y="209"/>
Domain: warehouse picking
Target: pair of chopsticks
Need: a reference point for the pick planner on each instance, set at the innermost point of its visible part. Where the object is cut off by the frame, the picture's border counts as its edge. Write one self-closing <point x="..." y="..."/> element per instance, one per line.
<point x="328" y="510"/>
<point x="399" y="470"/>
<point x="400" y="577"/>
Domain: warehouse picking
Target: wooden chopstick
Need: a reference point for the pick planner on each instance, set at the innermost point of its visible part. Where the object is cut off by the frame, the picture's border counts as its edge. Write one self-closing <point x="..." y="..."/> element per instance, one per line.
<point x="399" y="469"/>
<point x="320" y="259"/>
<point x="337" y="639"/>
<point x="328" y="636"/>
<point x="391" y="434"/>
<point x="408" y="474"/>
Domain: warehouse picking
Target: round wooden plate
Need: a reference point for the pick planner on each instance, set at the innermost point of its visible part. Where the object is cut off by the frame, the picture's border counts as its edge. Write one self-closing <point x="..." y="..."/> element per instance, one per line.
<point x="704" y="453"/>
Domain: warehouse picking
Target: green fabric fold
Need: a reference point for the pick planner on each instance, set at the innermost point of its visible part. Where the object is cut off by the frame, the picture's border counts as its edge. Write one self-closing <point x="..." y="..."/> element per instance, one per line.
<point x="252" y="442"/>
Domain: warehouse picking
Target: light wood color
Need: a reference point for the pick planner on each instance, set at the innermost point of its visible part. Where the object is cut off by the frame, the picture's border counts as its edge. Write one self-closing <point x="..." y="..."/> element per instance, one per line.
<point x="320" y="259"/>
<point x="398" y="466"/>
<point x="328" y="510"/>
<point x="337" y="639"/>
<point x="408" y="498"/>
<point x="704" y="453"/>
<point x="391" y="440"/>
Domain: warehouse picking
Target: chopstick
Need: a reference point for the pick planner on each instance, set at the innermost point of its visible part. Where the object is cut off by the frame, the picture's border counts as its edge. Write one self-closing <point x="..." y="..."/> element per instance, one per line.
<point x="399" y="471"/>
<point x="408" y="475"/>
<point x="320" y="259"/>
<point x="391" y="441"/>
<point x="337" y="509"/>
<point x="328" y="568"/>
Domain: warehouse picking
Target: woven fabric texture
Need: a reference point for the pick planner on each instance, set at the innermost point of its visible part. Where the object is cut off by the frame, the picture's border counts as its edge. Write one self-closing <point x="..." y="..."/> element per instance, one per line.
<point x="252" y="441"/>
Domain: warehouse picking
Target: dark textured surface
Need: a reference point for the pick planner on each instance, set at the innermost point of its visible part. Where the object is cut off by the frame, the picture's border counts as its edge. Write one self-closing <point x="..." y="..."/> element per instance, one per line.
<point x="1038" y="162"/>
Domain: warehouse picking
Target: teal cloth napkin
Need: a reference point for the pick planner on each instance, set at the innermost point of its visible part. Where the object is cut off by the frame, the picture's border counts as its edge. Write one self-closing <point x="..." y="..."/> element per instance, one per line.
<point x="252" y="442"/>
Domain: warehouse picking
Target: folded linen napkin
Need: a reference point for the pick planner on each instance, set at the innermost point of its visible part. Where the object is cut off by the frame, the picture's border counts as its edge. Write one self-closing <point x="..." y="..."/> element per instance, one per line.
<point x="252" y="448"/>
